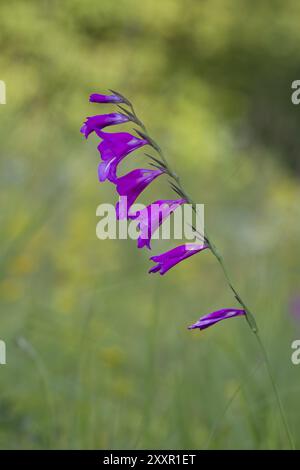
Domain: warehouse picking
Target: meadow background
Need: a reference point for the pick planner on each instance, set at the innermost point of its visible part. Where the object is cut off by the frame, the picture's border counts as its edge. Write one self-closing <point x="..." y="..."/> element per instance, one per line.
<point x="98" y="353"/>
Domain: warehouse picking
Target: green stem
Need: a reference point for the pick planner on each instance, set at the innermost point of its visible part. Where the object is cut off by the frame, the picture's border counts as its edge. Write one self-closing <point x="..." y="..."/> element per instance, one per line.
<point x="248" y="314"/>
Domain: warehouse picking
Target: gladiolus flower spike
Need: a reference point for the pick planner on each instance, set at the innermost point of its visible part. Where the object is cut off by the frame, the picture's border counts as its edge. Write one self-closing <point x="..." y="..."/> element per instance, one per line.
<point x="113" y="148"/>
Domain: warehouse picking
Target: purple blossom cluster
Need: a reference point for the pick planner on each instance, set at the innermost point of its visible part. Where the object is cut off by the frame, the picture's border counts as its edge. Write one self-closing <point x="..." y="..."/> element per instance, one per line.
<point x="113" y="148"/>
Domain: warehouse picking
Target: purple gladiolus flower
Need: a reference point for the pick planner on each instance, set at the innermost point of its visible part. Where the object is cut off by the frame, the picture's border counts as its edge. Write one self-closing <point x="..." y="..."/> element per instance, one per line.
<point x="215" y="317"/>
<point x="113" y="148"/>
<point x="150" y="218"/>
<point x="130" y="186"/>
<point x="100" y="121"/>
<point x="167" y="260"/>
<point x="97" y="98"/>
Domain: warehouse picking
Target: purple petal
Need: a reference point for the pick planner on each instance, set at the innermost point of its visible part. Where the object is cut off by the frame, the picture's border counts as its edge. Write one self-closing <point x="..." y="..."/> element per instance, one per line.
<point x="130" y="186"/>
<point x="107" y="170"/>
<point x="152" y="217"/>
<point x="116" y="146"/>
<point x="100" y="121"/>
<point x="166" y="261"/>
<point x="97" y="98"/>
<point x="154" y="269"/>
<point x="215" y="317"/>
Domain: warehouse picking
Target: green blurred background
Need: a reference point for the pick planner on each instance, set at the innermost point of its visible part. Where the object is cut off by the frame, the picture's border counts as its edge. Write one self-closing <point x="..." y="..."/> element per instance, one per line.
<point x="98" y="354"/>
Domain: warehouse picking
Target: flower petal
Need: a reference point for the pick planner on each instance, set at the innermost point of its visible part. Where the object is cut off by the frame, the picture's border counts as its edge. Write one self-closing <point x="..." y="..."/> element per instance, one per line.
<point x="116" y="146"/>
<point x="214" y="317"/>
<point x="152" y="217"/>
<point x="166" y="261"/>
<point x="98" y="98"/>
<point x="100" y="121"/>
<point x="130" y="186"/>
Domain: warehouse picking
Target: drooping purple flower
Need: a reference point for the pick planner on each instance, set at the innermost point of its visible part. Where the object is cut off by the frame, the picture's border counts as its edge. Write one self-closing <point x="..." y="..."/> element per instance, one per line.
<point x="100" y="121"/>
<point x="113" y="148"/>
<point x="98" y="98"/>
<point x="150" y="218"/>
<point x="130" y="186"/>
<point x="215" y="317"/>
<point x="167" y="260"/>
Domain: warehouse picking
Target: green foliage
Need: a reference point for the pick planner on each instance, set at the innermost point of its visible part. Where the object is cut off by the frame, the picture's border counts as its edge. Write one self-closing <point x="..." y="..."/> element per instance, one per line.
<point x="98" y="351"/>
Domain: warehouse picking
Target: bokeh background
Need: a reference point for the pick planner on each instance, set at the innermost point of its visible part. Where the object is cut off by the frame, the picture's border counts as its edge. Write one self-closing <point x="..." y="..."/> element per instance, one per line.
<point x="98" y="353"/>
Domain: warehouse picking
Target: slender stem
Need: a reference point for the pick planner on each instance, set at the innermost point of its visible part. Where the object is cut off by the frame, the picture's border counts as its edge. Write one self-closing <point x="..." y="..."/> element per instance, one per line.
<point x="248" y="314"/>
